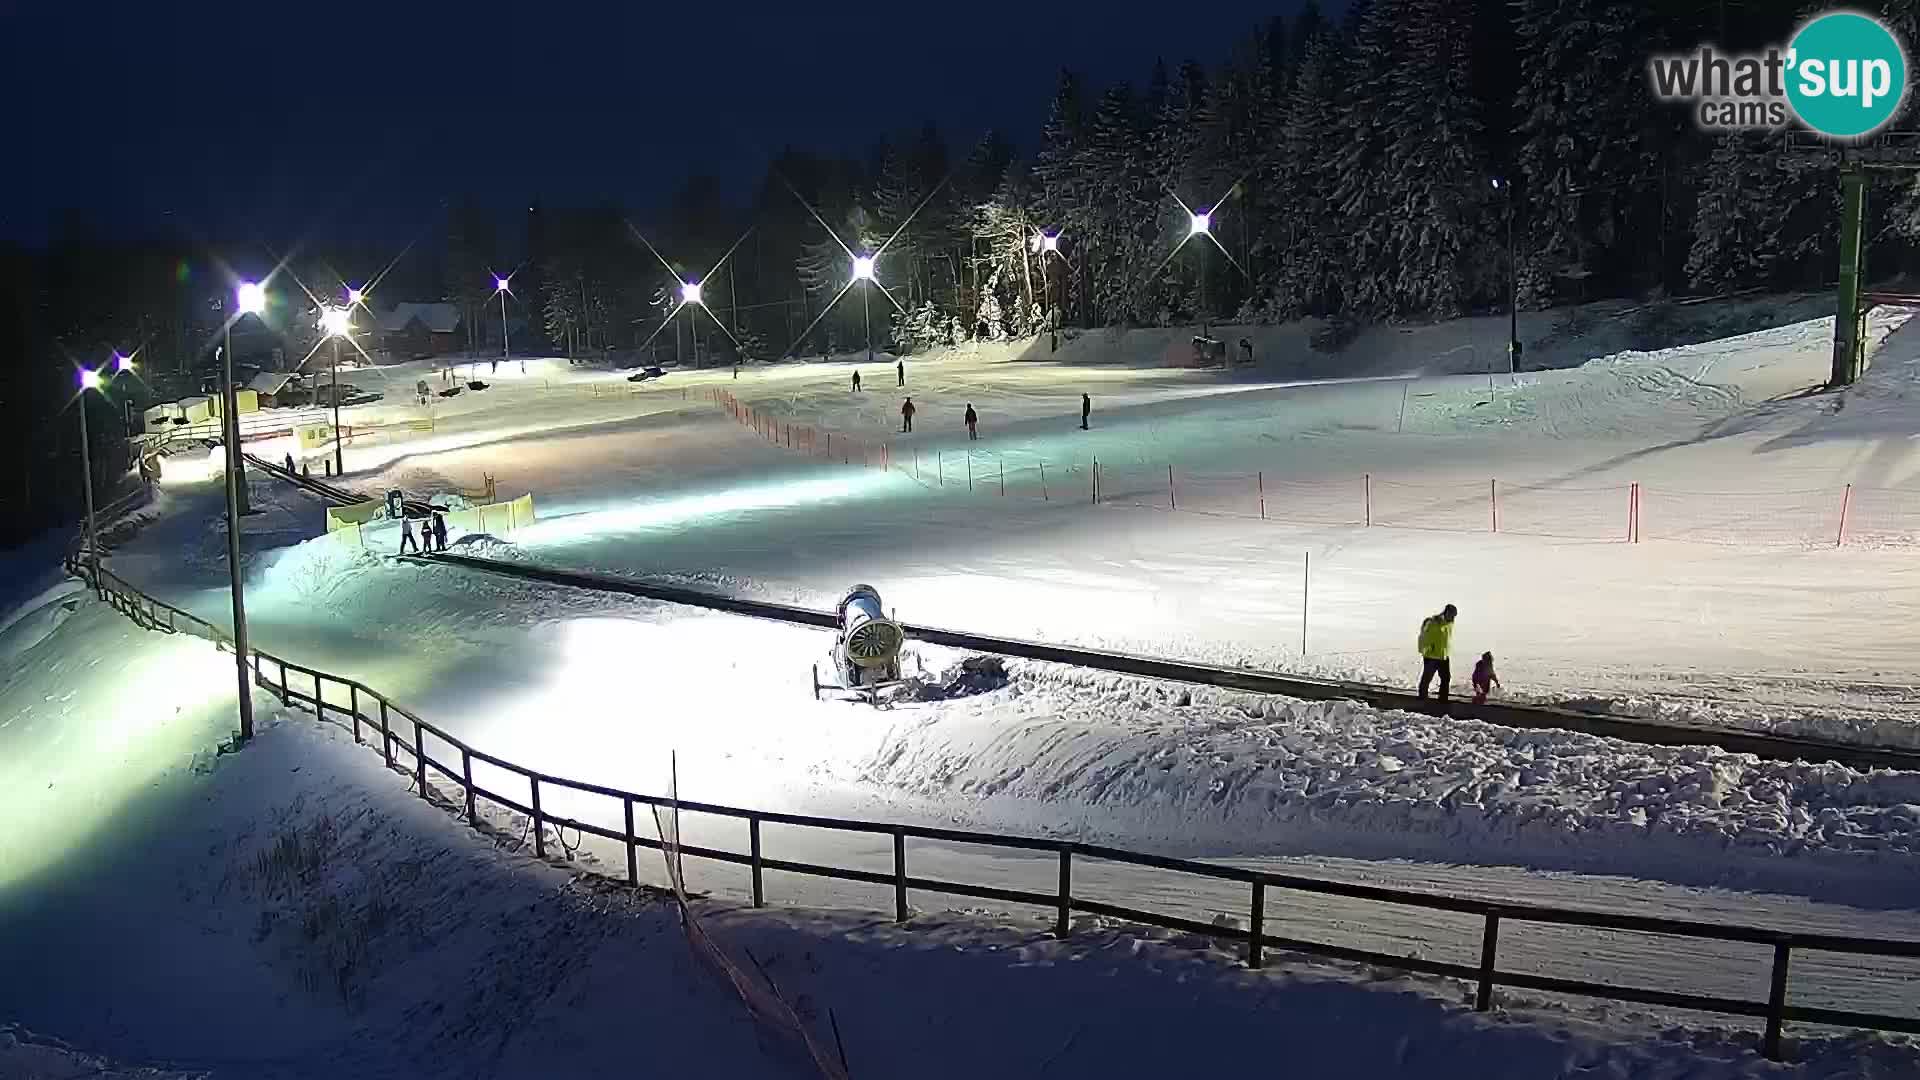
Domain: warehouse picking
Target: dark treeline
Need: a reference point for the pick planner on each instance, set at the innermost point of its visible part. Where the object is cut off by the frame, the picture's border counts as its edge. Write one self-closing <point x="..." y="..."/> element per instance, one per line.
<point x="1349" y="164"/>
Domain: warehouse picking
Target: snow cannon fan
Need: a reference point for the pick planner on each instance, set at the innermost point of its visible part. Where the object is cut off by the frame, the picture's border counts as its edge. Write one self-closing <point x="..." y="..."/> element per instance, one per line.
<point x="866" y="651"/>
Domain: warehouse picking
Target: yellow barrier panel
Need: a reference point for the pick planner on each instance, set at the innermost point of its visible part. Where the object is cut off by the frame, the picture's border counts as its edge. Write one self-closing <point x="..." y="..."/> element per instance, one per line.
<point x="313" y="436"/>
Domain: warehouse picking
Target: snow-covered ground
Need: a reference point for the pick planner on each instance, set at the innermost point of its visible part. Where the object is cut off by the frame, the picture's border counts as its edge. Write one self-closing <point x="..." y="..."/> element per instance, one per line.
<point x="1733" y="610"/>
<point x="295" y="911"/>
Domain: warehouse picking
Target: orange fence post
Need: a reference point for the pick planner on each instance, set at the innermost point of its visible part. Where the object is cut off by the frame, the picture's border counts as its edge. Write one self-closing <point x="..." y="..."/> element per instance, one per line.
<point x="940" y="462"/>
<point x="1096" y="480"/>
<point x="916" y="463"/>
<point x="1633" y="496"/>
<point x="1003" y="478"/>
<point x="1260" y="486"/>
<point x="1170" y="502"/>
<point x="969" y="470"/>
<point x="1366" y="494"/>
<point x="1493" y="495"/>
<point x="1846" y="500"/>
<point x="1043" y="480"/>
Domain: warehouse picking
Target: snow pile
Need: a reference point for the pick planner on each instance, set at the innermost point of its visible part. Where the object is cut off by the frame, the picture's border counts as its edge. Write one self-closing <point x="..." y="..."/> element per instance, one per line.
<point x="27" y="1056"/>
<point x="1237" y="773"/>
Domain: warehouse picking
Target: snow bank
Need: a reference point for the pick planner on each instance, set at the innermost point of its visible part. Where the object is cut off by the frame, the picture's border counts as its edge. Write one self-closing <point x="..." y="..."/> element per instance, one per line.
<point x="1233" y="774"/>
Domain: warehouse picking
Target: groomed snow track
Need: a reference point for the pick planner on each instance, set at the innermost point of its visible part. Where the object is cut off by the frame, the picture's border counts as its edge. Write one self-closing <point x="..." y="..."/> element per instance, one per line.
<point x="1760" y="744"/>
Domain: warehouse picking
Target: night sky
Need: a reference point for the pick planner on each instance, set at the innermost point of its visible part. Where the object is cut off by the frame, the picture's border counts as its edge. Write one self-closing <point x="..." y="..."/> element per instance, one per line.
<point x="361" y="121"/>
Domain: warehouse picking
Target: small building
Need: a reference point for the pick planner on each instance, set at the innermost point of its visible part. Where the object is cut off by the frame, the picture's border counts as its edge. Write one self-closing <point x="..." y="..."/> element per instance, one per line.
<point x="412" y="329"/>
<point x="271" y="387"/>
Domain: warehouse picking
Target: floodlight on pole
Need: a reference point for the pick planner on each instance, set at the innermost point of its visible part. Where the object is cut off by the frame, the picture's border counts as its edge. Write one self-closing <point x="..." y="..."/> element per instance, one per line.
<point x="1050" y="241"/>
<point x="89" y="379"/>
<point x="122" y="363"/>
<point x="355" y="297"/>
<point x="500" y="283"/>
<point x="1201" y="224"/>
<point x="337" y="322"/>
<point x="863" y="268"/>
<point x="252" y="298"/>
<point x="690" y="292"/>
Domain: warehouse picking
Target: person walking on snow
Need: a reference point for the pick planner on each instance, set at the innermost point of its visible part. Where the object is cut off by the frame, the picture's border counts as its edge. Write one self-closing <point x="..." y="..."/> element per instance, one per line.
<point x="856" y="382"/>
<point x="906" y="414"/>
<point x="439" y="530"/>
<point x="289" y="464"/>
<point x="900" y="371"/>
<point x="1484" y="678"/>
<point x="973" y="423"/>
<point x="406" y="537"/>
<point x="1086" y="410"/>
<point x="1436" y="645"/>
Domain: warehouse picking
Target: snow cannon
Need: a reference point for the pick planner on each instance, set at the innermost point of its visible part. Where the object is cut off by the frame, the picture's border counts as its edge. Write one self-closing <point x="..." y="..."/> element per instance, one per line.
<point x="866" y="652"/>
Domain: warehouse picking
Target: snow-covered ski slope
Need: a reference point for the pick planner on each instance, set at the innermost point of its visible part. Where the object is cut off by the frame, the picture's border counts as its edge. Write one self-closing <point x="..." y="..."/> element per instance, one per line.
<point x="1749" y="626"/>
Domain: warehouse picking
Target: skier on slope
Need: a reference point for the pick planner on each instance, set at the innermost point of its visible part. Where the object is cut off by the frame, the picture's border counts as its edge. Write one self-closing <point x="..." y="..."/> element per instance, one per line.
<point x="906" y="414"/>
<point x="1436" y="645"/>
<point x="973" y="423"/>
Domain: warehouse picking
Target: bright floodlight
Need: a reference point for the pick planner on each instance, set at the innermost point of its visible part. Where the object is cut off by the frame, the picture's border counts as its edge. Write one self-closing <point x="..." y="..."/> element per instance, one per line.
<point x="89" y="379"/>
<point x="253" y="298"/>
<point x="1496" y="183"/>
<point x="336" y="322"/>
<point x="1201" y="223"/>
<point x="690" y="292"/>
<point x="863" y="268"/>
<point x="1050" y="242"/>
<point x="354" y="296"/>
<point x="500" y="284"/>
<point x="122" y="363"/>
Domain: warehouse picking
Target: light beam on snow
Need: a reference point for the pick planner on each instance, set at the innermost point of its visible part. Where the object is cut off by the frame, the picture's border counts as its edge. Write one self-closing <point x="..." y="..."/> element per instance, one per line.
<point x="685" y="509"/>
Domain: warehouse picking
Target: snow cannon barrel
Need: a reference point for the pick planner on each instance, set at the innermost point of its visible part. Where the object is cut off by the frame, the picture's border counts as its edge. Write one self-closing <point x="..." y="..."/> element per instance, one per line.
<point x="869" y="638"/>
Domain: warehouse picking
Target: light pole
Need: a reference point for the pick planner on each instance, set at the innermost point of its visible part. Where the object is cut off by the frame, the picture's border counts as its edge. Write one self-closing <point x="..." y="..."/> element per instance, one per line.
<point x="500" y="286"/>
<point x="863" y="273"/>
<point x="252" y="301"/>
<point x="89" y="380"/>
<point x="690" y="297"/>
<point x="338" y="323"/>
<point x="1513" y="282"/>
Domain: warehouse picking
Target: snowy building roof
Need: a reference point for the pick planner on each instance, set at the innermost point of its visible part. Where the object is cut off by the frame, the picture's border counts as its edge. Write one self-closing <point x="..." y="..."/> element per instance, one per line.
<point x="440" y="318"/>
<point x="270" y="382"/>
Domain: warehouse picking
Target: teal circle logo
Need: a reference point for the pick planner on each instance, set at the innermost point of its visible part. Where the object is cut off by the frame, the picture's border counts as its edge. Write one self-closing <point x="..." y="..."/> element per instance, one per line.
<point x="1846" y="74"/>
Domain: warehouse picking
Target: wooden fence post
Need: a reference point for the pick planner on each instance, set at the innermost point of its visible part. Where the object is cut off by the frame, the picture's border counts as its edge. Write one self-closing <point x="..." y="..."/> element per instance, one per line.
<point x="633" y="863"/>
<point x="1043" y="480"/>
<point x="386" y="734"/>
<point x="353" y="700"/>
<point x="899" y="875"/>
<point x="1489" y="942"/>
<point x="1366" y="494"/>
<point x="1260" y="486"/>
<point x="539" y="830"/>
<point x="1061" y="917"/>
<point x="1096" y="479"/>
<point x="1003" y="477"/>
<point x="753" y="847"/>
<point x="1493" y="500"/>
<point x="969" y="470"/>
<point x="1776" y="1002"/>
<point x="1256" y="922"/>
<point x="1171" y="505"/>
<point x="466" y="777"/>
<point x="1846" y="500"/>
<point x="420" y="757"/>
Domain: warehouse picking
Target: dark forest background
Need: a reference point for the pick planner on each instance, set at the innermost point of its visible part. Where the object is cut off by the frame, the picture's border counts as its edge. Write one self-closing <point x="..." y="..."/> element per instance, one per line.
<point x="1349" y="160"/>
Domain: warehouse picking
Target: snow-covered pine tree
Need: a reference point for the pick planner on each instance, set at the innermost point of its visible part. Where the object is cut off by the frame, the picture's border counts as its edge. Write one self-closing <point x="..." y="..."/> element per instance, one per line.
<point x="1589" y="150"/>
<point x="1363" y="224"/>
<point x="1309" y="143"/>
<point x="1760" y="217"/>
<point x="1438" y="189"/>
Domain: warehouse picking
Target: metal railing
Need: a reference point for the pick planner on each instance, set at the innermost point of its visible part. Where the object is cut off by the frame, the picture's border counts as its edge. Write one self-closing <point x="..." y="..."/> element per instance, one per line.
<point x="403" y="741"/>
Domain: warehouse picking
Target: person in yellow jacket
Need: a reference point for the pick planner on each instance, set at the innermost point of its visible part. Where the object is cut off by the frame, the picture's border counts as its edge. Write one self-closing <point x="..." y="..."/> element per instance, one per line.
<point x="1436" y="647"/>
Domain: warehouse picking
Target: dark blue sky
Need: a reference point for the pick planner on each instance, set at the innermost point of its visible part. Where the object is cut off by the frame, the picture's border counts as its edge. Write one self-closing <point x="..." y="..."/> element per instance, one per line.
<point x="362" y="119"/>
